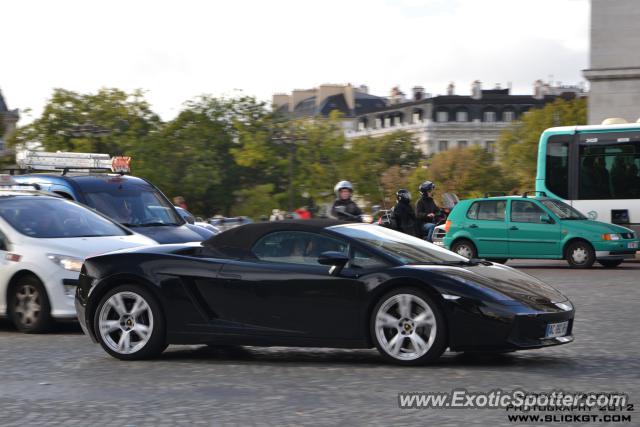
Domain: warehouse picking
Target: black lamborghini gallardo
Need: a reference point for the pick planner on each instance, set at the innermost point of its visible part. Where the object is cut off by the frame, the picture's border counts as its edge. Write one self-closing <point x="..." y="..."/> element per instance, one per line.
<point x="316" y="283"/>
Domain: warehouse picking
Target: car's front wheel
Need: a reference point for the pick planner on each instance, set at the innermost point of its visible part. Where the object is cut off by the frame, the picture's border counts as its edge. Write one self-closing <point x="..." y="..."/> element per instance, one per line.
<point x="408" y="328"/>
<point x="580" y="254"/>
<point x="465" y="247"/>
<point x="29" y="307"/>
<point x="129" y="323"/>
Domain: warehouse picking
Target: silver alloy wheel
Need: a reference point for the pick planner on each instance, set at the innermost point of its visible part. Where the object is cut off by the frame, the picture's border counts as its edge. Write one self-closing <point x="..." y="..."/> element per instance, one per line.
<point x="125" y="322"/>
<point x="28" y="304"/>
<point x="464" y="250"/>
<point x="579" y="255"/>
<point x="405" y="327"/>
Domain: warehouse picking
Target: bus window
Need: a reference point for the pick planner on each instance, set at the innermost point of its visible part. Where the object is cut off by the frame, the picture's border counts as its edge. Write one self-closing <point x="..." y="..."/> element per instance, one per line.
<point x="609" y="171"/>
<point x="557" y="170"/>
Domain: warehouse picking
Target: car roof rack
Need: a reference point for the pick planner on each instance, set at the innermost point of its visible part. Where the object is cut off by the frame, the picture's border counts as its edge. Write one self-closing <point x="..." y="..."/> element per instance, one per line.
<point x="7" y="183"/>
<point x="32" y="160"/>
<point x="526" y="193"/>
<point x="494" y="194"/>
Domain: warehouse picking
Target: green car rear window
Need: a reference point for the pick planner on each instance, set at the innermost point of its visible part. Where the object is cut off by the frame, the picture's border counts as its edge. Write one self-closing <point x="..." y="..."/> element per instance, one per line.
<point x="487" y="210"/>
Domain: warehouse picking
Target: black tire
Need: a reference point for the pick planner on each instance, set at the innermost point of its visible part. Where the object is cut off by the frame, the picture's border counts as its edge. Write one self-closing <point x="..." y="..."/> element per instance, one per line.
<point x="25" y="294"/>
<point x="498" y="260"/>
<point x="465" y="246"/>
<point x="610" y="263"/>
<point x="580" y="254"/>
<point x="439" y="343"/>
<point x="157" y="341"/>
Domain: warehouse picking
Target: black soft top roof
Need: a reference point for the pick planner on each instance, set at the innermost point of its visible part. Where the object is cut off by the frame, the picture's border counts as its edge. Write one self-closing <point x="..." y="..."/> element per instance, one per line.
<point x="238" y="241"/>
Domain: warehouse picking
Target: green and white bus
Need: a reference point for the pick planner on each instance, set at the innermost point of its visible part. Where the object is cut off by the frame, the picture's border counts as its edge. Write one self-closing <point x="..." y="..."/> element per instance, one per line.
<point x="596" y="169"/>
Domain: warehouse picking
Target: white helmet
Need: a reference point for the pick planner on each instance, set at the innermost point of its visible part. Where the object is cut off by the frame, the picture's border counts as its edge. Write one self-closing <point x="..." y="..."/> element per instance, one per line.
<point x="343" y="185"/>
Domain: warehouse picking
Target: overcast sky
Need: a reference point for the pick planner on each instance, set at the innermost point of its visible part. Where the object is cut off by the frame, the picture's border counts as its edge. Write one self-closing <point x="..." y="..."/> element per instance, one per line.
<point x="176" y="50"/>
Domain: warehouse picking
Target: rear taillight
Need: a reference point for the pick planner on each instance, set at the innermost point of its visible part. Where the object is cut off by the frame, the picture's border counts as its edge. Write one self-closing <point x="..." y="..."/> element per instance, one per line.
<point x="447" y="226"/>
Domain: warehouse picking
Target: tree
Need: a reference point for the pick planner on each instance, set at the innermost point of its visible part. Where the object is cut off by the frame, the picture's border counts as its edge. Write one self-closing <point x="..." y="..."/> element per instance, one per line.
<point x="192" y="155"/>
<point x="468" y="172"/>
<point x="518" y="144"/>
<point x="377" y="165"/>
<point x="109" y="121"/>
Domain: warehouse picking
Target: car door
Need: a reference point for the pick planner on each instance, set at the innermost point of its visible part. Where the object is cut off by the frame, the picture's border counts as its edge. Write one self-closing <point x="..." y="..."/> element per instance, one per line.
<point x="487" y="225"/>
<point x="529" y="235"/>
<point x="285" y="292"/>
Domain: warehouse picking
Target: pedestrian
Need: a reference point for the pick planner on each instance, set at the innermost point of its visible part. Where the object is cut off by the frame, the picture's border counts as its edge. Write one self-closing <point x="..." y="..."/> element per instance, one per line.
<point x="180" y="202"/>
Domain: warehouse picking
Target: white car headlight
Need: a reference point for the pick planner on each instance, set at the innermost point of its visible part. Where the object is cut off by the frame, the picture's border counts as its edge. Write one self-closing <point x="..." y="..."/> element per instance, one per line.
<point x="67" y="262"/>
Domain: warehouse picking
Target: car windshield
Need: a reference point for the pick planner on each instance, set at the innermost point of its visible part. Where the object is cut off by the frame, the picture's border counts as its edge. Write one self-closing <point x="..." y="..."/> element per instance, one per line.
<point x="406" y="249"/>
<point x="134" y="207"/>
<point x="47" y="218"/>
<point x="562" y="210"/>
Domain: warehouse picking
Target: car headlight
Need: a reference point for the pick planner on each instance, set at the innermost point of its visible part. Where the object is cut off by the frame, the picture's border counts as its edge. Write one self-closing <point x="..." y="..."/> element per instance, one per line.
<point x="611" y="237"/>
<point x="67" y="262"/>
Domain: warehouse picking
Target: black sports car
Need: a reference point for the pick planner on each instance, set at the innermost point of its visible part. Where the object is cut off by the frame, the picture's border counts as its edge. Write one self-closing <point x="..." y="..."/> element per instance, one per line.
<point x="315" y="283"/>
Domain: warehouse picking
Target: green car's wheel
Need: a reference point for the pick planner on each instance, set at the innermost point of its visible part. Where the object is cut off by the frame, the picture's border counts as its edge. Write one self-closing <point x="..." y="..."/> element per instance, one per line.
<point x="465" y="247"/>
<point x="580" y="254"/>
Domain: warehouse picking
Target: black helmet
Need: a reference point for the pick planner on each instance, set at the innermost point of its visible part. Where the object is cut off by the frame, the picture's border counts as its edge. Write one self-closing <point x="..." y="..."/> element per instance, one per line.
<point x="426" y="187"/>
<point x="403" y="194"/>
<point x="342" y="185"/>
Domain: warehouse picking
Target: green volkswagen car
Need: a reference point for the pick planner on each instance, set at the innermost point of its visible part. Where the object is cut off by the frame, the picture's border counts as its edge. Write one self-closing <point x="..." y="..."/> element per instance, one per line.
<point x="502" y="228"/>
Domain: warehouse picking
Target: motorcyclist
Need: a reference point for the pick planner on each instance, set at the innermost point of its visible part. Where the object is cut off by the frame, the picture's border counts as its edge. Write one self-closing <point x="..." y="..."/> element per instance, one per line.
<point x="343" y="207"/>
<point x="426" y="210"/>
<point x="405" y="218"/>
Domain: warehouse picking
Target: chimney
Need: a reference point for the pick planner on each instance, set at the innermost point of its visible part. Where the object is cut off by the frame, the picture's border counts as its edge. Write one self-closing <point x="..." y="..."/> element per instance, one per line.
<point x="363" y="89"/>
<point x="350" y="96"/>
<point x="451" y="89"/>
<point x="476" y="89"/>
<point x="299" y="94"/>
<point x="280" y="99"/>
<point x="418" y="93"/>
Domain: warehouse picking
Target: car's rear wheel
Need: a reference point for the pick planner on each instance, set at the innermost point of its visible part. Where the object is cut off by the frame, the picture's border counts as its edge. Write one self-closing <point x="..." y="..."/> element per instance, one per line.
<point x="610" y="263"/>
<point x="29" y="307"/>
<point x="408" y="328"/>
<point x="129" y="323"/>
<point x="580" y="254"/>
<point x="465" y="247"/>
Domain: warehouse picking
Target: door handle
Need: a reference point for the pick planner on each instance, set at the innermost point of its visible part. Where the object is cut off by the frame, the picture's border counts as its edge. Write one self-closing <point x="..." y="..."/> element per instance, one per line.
<point x="473" y="226"/>
<point x="513" y="227"/>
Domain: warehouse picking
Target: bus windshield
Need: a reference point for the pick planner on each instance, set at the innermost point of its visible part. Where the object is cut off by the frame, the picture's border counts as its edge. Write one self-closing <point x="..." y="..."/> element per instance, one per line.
<point x="562" y="210"/>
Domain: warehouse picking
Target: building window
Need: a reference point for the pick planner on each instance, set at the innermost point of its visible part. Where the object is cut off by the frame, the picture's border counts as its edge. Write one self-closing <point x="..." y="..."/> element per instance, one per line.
<point x="462" y="116"/>
<point x="378" y="123"/>
<point x="508" y="116"/>
<point x="489" y="116"/>
<point x="443" y="145"/>
<point x="417" y="116"/>
<point x="489" y="146"/>
<point x="362" y="125"/>
<point x="462" y="144"/>
<point x="397" y="120"/>
<point x="442" y="116"/>
<point x="387" y="122"/>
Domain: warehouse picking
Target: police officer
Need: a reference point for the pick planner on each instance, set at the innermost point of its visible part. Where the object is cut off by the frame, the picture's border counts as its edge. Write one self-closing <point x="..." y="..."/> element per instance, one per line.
<point x="426" y="210"/>
<point x="344" y="208"/>
<point x="405" y="218"/>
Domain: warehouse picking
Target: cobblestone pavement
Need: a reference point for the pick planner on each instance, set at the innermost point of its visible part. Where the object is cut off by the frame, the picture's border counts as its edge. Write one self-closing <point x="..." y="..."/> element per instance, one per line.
<point x="64" y="379"/>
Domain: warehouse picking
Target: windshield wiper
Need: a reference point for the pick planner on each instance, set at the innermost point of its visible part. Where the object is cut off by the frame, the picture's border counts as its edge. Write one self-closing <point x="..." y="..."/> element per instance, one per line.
<point x="157" y="224"/>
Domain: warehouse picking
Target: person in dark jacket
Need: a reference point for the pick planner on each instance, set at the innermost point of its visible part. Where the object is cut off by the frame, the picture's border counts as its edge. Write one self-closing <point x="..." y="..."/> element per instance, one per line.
<point x="405" y="218"/>
<point x="343" y="207"/>
<point x="426" y="210"/>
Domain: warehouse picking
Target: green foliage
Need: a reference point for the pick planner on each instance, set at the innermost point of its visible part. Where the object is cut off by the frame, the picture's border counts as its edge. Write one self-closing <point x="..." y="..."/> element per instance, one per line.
<point x="518" y="145"/>
<point x="109" y="121"/>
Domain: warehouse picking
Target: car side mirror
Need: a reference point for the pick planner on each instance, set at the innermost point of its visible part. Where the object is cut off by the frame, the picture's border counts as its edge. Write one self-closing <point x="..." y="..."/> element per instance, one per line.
<point x="546" y="219"/>
<point x="337" y="261"/>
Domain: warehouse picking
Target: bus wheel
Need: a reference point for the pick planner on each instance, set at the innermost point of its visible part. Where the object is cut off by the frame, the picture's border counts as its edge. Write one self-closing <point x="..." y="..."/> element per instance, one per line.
<point x="610" y="263"/>
<point x="580" y="254"/>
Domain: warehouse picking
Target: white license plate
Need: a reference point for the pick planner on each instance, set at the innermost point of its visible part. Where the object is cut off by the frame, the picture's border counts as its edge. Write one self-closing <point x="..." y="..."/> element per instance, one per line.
<point x="557" y="329"/>
<point x="633" y="245"/>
